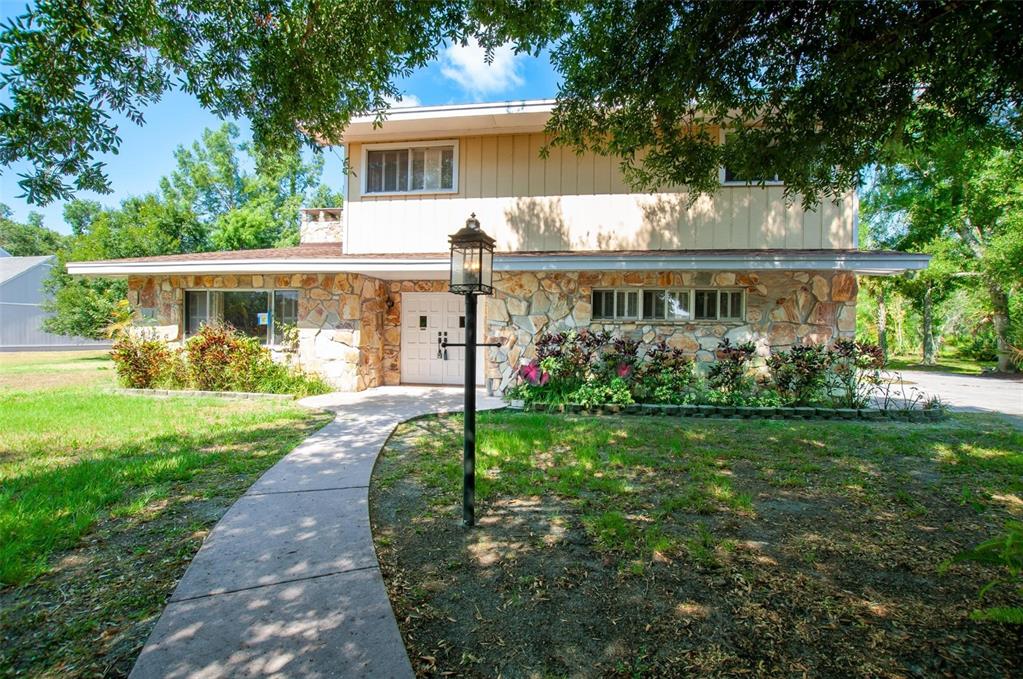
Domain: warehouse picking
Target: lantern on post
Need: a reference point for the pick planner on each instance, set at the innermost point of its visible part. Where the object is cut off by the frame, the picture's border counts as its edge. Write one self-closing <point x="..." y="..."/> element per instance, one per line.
<point x="472" y="260"/>
<point x="472" y="274"/>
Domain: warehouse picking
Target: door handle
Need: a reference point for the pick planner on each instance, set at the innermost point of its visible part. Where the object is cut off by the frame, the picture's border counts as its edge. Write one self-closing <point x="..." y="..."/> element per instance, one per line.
<point x="442" y="350"/>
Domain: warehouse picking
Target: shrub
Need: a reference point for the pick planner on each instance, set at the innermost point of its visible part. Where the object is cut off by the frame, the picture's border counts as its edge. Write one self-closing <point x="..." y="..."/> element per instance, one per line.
<point x="221" y="359"/>
<point x="753" y="397"/>
<point x="569" y="355"/>
<point x="666" y="375"/>
<point x="209" y="354"/>
<point x="217" y="358"/>
<point x="593" y="369"/>
<point x="564" y="362"/>
<point x="800" y="374"/>
<point x="730" y="373"/>
<point x="600" y="392"/>
<point x="856" y="372"/>
<point x="618" y="358"/>
<point x="142" y="360"/>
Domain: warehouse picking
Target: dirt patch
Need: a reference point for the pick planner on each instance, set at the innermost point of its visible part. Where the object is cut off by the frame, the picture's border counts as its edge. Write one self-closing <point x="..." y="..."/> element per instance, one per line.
<point x="813" y="560"/>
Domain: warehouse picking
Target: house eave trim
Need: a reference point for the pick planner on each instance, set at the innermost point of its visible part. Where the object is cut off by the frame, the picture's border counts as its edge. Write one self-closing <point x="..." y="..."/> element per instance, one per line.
<point x="377" y="266"/>
<point x="864" y="263"/>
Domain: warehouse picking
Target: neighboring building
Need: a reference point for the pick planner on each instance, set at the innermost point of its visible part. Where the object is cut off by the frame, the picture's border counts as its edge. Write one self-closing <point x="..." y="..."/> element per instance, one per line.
<point x="21" y="306"/>
<point x="576" y="249"/>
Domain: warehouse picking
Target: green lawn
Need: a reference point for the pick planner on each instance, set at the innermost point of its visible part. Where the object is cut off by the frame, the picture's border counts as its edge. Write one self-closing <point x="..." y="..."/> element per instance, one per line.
<point x="946" y="362"/>
<point x="656" y="546"/>
<point x="104" y="498"/>
<point x="55" y="369"/>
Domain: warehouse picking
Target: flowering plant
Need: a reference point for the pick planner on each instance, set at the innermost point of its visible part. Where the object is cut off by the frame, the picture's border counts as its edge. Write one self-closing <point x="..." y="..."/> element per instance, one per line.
<point x="533" y="374"/>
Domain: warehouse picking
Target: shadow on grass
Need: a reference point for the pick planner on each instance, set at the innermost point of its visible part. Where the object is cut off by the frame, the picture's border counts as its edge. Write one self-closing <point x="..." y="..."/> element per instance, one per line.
<point x="49" y="509"/>
<point x="652" y="546"/>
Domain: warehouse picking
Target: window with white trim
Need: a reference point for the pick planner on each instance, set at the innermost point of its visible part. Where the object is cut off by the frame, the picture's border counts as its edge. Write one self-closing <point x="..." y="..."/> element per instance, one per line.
<point x="718" y="305"/>
<point x="616" y="304"/>
<point x="729" y="176"/>
<point x="668" y="305"/>
<point x="420" y="167"/>
<point x="671" y="305"/>
<point x="263" y="314"/>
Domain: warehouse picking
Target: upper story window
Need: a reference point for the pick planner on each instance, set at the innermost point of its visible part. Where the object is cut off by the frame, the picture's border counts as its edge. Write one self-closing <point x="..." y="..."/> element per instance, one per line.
<point x="729" y="176"/>
<point x="417" y="167"/>
<point x="668" y="305"/>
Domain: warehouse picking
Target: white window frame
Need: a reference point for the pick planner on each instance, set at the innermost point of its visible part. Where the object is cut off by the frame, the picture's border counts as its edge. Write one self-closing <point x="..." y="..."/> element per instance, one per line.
<point x="741" y="318"/>
<point x="409" y="145"/>
<point x="689" y="292"/>
<point x="726" y="182"/>
<point x="270" y="343"/>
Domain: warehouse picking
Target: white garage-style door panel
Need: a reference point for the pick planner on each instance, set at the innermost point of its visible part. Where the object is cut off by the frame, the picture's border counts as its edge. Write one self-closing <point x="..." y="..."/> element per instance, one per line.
<point x="428" y="318"/>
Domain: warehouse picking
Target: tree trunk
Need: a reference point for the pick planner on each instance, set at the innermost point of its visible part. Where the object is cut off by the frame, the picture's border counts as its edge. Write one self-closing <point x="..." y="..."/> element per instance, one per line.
<point x="882" y="321"/>
<point x="899" y="318"/>
<point x="1000" y="304"/>
<point x="929" y="348"/>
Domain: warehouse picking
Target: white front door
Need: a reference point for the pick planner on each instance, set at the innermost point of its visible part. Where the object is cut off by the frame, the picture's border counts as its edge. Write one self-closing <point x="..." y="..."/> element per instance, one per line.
<point x="428" y="318"/>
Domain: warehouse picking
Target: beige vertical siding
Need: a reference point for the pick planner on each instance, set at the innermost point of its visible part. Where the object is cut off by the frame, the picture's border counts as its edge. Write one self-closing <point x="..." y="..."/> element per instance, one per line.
<point x="582" y="202"/>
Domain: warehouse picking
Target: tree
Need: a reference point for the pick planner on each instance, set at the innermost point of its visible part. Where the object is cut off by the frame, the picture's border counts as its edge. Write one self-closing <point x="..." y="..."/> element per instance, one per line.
<point x="961" y="195"/>
<point x="79" y="215"/>
<point x="236" y="208"/>
<point x="141" y="227"/>
<point x="878" y="290"/>
<point x="928" y="288"/>
<point x="211" y="200"/>
<point x="813" y="92"/>
<point x="81" y="308"/>
<point x="27" y="240"/>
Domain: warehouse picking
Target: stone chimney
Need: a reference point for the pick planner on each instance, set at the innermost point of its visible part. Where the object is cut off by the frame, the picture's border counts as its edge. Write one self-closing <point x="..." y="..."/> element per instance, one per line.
<point x="321" y="225"/>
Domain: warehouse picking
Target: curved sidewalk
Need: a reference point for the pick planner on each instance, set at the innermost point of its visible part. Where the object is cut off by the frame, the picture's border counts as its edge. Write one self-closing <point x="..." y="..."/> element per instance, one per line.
<point x="287" y="583"/>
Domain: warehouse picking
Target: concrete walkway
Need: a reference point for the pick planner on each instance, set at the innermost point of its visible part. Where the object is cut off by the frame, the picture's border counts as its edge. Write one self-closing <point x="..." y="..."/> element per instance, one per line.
<point x="972" y="393"/>
<point x="287" y="584"/>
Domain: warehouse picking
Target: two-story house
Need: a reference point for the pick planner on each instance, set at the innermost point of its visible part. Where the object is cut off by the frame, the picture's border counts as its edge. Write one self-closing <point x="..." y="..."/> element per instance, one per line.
<point x="576" y="248"/>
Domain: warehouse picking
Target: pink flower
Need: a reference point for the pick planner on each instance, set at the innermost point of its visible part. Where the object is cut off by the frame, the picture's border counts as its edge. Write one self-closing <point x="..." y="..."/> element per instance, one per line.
<point x="624" y="370"/>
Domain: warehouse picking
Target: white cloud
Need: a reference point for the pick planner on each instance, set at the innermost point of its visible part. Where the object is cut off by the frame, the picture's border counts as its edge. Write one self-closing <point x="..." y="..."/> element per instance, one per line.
<point x="406" y="100"/>
<point x="466" y="66"/>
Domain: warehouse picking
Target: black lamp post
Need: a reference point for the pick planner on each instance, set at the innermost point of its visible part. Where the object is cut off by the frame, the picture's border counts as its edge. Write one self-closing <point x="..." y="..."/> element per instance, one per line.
<point x="472" y="274"/>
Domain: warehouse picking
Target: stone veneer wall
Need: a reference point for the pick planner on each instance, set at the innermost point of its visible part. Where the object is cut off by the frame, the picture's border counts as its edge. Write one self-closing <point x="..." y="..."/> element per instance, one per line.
<point x="350" y="324"/>
<point x="783" y="308"/>
<point x="340" y="318"/>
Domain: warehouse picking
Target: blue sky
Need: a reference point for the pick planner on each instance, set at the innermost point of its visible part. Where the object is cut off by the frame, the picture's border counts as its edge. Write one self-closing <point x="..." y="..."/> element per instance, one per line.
<point x="459" y="75"/>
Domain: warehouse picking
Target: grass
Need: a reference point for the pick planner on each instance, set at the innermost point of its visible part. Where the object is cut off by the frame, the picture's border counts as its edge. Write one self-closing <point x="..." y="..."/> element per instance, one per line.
<point x="104" y="498"/>
<point x="55" y="369"/>
<point x="790" y="547"/>
<point x="946" y="362"/>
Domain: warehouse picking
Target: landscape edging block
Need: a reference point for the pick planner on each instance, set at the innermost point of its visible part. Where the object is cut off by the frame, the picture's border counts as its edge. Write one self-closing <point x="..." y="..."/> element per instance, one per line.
<point x="737" y="412"/>
<point x="250" y="395"/>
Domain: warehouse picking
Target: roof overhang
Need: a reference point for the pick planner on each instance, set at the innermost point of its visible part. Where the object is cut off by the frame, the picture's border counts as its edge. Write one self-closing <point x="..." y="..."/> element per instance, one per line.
<point x="395" y="268"/>
<point x="870" y="263"/>
<point x="436" y="267"/>
<point x="421" y="122"/>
